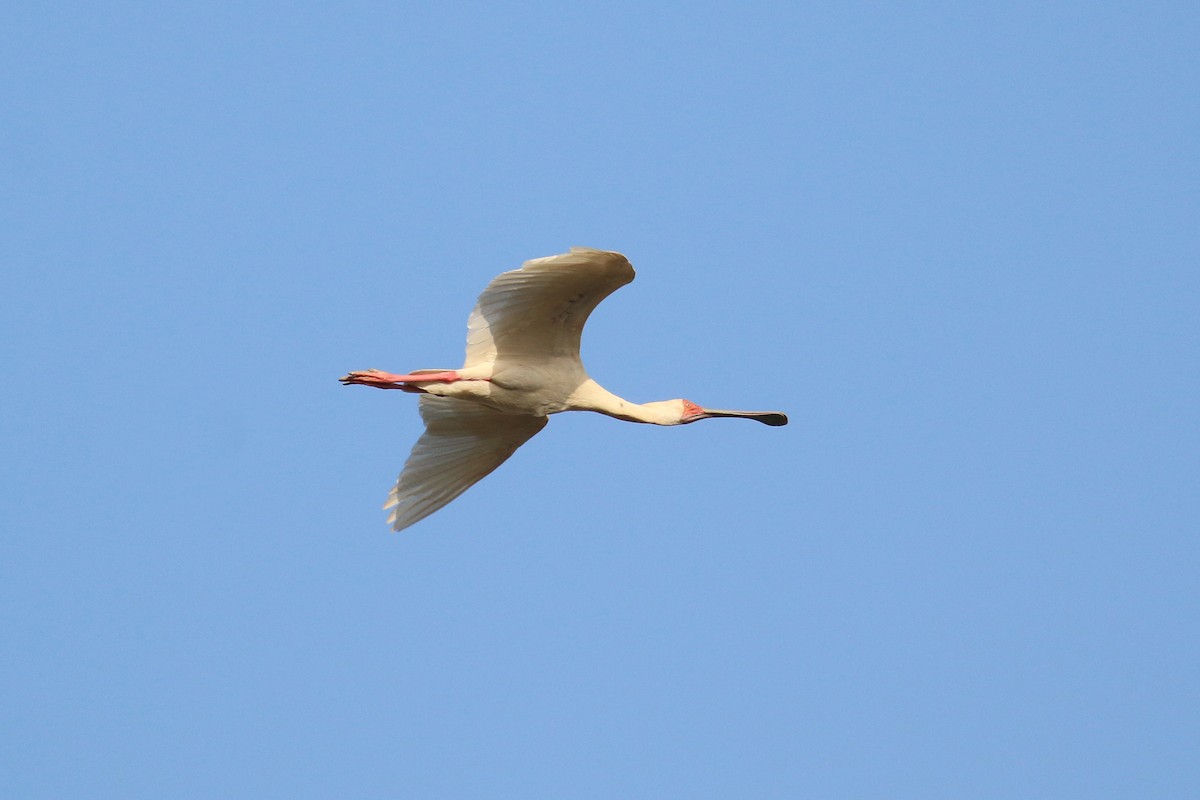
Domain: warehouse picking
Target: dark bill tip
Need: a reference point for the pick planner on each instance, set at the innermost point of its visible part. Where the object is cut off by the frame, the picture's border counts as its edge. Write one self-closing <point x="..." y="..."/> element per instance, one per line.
<point x="772" y="418"/>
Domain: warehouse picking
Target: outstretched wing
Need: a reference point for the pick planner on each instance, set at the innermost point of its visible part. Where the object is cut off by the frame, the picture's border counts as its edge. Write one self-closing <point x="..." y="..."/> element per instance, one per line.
<point x="538" y="311"/>
<point x="463" y="442"/>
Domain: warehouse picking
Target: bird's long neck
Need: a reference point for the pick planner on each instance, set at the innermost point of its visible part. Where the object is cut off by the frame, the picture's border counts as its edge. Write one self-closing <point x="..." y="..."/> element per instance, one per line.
<point x="591" y="396"/>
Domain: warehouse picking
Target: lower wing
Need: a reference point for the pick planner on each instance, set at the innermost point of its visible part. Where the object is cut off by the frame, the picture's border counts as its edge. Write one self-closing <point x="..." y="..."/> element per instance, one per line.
<point x="462" y="443"/>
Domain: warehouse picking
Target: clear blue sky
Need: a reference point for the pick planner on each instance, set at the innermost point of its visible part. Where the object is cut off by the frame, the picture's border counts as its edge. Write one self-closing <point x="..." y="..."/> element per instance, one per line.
<point x="958" y="243"/>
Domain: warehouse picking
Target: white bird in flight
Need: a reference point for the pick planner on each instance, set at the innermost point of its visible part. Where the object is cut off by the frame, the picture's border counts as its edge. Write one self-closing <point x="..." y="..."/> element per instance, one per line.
<point x="522" y="365"/>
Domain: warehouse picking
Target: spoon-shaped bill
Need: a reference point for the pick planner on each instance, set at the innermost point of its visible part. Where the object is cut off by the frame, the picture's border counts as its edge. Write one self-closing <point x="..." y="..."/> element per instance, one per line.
<point x="773" y="418"/>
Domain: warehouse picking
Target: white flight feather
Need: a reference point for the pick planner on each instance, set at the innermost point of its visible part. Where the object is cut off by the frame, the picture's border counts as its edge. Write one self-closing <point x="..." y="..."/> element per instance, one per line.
<point x="538" y="311"/>
<point x="462" y="443"/>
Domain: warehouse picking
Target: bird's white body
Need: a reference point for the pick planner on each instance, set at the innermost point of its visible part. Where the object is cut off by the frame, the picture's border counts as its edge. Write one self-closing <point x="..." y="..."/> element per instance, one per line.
<point x="522" y="364"/>
<point x="523" y="335"/>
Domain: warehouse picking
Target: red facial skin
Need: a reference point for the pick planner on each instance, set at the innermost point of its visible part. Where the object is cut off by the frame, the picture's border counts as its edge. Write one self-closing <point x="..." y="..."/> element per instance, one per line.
<point x="691" y="412"/>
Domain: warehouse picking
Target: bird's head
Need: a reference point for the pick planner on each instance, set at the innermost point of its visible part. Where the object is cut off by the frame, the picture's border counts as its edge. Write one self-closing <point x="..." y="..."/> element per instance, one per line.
<point x="685" y="411"/>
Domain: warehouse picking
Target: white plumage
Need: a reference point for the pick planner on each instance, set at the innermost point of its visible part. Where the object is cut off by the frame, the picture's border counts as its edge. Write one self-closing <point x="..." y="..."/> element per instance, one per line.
<point x="462" y="443"/>
<point x="522" y="364"/>
<point x="540" y="309"/>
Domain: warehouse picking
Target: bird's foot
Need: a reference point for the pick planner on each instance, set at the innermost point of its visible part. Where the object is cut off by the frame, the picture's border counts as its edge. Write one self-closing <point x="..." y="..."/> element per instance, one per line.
<point x="387" y="380"/>
<point x="373" y="377"/>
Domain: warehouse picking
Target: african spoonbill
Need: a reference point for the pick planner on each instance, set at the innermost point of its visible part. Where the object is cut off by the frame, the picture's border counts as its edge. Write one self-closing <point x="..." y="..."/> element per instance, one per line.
<point x="522" y="365"/>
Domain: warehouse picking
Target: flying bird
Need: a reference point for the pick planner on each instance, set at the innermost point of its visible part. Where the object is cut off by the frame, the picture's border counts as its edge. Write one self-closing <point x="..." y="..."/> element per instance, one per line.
<point x="522" y="365"/>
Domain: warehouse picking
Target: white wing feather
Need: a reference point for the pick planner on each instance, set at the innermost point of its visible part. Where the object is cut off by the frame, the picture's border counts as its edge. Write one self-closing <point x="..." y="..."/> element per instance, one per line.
<point x="463" y="442"/>
<point x="539" y="311"/>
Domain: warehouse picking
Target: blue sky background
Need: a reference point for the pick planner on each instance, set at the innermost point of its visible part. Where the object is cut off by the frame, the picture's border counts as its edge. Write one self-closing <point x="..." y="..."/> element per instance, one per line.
<point x="957" y="243"/>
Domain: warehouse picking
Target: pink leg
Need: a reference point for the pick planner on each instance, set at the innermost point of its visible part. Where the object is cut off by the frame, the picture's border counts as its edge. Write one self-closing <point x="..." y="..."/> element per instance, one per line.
<point x="386" y="380"/>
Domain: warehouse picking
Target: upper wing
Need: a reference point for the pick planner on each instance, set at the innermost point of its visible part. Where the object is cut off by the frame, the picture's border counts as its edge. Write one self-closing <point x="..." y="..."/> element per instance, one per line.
<point x="462" y="443"/>
<point x="539" y="310"/>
